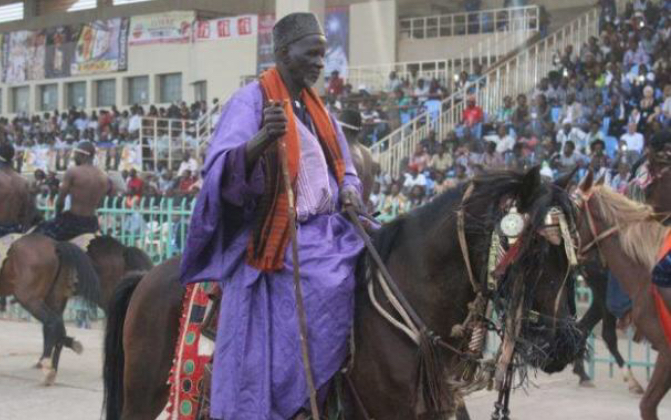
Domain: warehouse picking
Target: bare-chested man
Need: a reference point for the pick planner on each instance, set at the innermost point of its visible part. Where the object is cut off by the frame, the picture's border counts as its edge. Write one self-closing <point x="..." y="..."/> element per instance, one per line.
<point x="87" y="186"/>
<point x="17" y="209"/>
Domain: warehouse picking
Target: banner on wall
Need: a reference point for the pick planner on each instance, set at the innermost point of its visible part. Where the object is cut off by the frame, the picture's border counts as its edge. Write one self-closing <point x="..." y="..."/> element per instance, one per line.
<point x="101" y="47"/>
<point x="23" y="56"/>
<point x="265" y="57"/>
<point x="337" y="37"/>
<point x="164" y="28"/>
<point x="60" y="52"/>
<point x="217" y="29"/>
<point x="97" y="47"/>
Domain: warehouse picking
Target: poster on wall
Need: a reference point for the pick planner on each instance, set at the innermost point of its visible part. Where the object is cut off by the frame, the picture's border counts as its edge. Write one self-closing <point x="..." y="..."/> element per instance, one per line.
<point x="163" y="28"/>
<point x="23" y="56"/>
<point x="337" y="36"/>
<point x="59" y="52"/>
<point x="101" y="46"/>
<point x="97" y="47"/>
<point x="265" y="57"/>
<point x="213" y="30"/>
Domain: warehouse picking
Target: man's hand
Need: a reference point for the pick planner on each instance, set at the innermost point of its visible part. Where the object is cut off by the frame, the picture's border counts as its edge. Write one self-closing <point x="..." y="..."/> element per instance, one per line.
<point x="273" y="127"/>
<point x="350" y="197"/>
<point x="274" y="121"/>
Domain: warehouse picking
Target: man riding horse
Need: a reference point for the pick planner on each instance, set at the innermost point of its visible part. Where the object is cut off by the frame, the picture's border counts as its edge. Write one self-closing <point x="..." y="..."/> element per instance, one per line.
<point x="240" y="232"/>
<point x="18" y="207"/>
<point x="87" y="186"/>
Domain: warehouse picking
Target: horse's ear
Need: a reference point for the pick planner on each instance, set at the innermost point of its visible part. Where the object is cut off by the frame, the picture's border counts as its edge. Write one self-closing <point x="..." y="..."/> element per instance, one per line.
<point x="602" y="180"/>
<point x="530" y="185"/>
<point x="565" y="180"/>
<point x="587" y="182"/>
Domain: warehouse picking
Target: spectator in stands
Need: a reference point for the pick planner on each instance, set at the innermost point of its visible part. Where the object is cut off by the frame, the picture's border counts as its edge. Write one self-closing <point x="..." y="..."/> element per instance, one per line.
<point x="502" y="139"/>
<point x="421" y="91"/>
<point x="568" y="159"/>
<point x="166" y="183"/>
<point x="336" y="84"/>
<point x="393" y="84"/>
<point x="594" y="133"/>
<point x="376" y="196"/>
<point x="441" y="161"/>
<point x="573" y="134"/>
<point x="188" y="163"/>
<point x="186" y="181"/>
<point x="540" y="116"/>
<point x="472" y="115"/>
<point x="416" y="197"/>
<point x="135" y="185"/>
<point x="633" y="140"/>
<point x="521" y="117"/>
<point x="392" y="205"/>
<point x="492" y="159"/>
<point x="598" y="157"/>
<point x="572" y="110"/>
<point x="620" y="181"/>
<point x="505" y="114"/>
<point x="412" y="178"/>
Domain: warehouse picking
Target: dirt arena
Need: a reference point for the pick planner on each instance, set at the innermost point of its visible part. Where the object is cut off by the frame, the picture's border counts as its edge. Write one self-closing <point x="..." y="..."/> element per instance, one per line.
<point x="77" y="394"/>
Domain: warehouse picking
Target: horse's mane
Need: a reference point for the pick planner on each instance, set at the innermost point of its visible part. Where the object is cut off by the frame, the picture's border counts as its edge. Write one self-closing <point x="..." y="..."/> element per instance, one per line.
<point x="640" y="234"/>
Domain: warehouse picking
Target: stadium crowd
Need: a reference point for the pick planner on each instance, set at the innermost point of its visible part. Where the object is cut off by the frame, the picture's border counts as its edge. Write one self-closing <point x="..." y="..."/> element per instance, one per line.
<point x="596" y="109"/>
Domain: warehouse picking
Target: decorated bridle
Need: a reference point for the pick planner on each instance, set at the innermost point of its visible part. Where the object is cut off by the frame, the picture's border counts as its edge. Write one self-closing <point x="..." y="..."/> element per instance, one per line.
<point x="581" y="200"/>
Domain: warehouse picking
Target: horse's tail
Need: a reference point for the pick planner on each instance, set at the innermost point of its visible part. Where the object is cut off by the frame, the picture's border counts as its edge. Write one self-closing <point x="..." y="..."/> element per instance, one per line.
<point x="114" y="355"/>
<point x="136" y="259"/>
<point x="88" y="283"/>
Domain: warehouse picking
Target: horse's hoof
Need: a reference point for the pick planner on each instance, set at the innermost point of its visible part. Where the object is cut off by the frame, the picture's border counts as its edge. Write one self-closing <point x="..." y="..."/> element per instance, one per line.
<point x="49" y="377"/>
<point x="636" y="389"/>
<point x="587" y="384"/>
<point x="38" y="365"/>
<point x="77" y="347"/>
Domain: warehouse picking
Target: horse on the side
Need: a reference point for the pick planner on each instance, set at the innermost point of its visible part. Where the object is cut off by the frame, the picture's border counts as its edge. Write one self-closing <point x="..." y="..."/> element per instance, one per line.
<point x="42" y="274"/>
<point x="423" y="252"/>
<point x="628" y="236"/>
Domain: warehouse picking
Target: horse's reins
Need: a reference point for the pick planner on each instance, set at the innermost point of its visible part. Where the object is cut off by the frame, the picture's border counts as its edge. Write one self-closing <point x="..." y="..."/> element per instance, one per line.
<point x="582" y="202"/>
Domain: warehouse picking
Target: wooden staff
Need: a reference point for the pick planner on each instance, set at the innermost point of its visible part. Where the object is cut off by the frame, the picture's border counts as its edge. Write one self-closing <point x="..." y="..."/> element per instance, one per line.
<point x="300" y="306"/>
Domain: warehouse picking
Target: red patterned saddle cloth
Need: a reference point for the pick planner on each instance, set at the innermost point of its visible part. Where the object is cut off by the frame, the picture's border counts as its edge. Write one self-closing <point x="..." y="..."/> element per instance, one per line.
<point x="191" y="371"/>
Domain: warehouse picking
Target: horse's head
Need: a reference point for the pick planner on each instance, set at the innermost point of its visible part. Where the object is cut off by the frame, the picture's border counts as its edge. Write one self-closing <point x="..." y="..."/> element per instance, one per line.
<point x="536" y="287"/>
<point x="604" y="214"/>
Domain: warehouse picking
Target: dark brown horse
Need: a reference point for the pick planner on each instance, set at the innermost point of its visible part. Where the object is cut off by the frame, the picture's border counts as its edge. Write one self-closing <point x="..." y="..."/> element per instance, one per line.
<point x="628" y="237"/>
<point x="43" y="274"/>
<point x="423" y="253"/>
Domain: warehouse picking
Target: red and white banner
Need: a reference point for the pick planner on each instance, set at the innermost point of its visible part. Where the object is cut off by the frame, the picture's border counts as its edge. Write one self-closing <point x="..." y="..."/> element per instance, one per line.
<point x="212" y="30"/>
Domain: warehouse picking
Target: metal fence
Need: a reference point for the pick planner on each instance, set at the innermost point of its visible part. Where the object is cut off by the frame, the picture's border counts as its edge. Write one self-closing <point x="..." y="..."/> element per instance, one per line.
<point x="157" y="225"/>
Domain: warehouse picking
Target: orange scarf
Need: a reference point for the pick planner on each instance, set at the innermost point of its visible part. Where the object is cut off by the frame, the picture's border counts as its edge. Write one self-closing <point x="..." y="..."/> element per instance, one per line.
<point x="269" y="241"/>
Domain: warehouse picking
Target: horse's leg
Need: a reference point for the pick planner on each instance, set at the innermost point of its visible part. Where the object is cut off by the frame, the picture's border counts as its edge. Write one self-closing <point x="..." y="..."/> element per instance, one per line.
<point x="462" y="412"/>
<point x="586" y="325"/>
<point x="54" y="332"/>
<point x="609" y="334"/>
<point x="659" y="385"/>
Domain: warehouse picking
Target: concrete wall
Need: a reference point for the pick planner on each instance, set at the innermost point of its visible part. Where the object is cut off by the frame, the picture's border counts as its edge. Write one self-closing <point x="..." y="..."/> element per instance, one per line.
<point x="373" y="32"/>
<point x="452" y="47"/>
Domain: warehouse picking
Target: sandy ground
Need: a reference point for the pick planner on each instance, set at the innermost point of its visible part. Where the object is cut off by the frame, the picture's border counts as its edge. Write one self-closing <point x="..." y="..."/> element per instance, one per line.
<point x="77" y="394"/>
